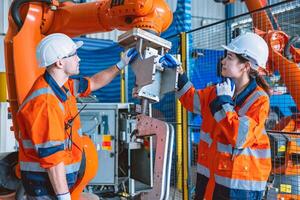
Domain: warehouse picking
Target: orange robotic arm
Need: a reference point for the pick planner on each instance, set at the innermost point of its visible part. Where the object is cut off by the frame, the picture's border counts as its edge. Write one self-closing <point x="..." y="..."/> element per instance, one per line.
<point x="31" y="20"/>
<point x="263" y="20"/>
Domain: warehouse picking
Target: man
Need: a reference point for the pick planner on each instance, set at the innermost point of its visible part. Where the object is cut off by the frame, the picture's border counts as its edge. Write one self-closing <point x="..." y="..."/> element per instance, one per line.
<point x="50" y="144"/>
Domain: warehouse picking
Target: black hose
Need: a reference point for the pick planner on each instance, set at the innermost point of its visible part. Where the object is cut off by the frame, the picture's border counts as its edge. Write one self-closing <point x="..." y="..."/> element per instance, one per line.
<point x="15" y="6"/>
<point x="20" y="192"/>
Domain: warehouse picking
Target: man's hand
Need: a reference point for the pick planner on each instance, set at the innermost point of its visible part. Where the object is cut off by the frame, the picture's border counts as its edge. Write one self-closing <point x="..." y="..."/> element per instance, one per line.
<point x="226" y="88"/>
<point x="127" y="58"/>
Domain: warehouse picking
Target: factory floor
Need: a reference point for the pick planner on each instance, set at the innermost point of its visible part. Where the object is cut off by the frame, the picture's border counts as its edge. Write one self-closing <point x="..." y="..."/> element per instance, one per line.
<point x="174" y="195"/>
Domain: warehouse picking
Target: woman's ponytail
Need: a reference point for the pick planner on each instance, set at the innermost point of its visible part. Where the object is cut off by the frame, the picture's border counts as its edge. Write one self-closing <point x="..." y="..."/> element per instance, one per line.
<point x="260" y="81"/>
<point x="254" y="74"/>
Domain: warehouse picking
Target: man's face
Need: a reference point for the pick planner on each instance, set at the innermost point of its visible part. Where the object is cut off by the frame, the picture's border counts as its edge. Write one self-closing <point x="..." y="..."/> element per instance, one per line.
<point x="71" y="64"/>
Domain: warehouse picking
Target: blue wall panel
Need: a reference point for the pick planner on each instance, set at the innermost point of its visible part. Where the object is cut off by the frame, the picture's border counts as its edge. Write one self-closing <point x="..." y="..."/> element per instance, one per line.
<point x="97" y="55"/>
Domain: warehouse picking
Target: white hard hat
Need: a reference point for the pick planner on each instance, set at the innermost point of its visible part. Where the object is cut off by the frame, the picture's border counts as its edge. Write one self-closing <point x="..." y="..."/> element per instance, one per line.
<point x="54" y="47"/>
<point x="252" y="47"/>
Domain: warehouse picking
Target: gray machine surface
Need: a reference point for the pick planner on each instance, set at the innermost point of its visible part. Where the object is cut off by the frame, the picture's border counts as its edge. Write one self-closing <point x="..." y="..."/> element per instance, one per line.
<point x="152" y="80"/>
<point x="99" y="122"/>
<point x="125" y="162"/>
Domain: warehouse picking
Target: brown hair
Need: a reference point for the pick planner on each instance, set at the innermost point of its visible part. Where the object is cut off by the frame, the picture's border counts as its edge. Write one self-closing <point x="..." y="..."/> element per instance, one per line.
<point x="254" y="74"/>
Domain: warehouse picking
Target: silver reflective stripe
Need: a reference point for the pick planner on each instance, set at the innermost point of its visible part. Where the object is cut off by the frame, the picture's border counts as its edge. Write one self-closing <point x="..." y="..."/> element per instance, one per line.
<point x="244" y="121"/>
<point x="183" y="90"/>
<point x="35" y="167"/>
<point x="264" y="132"/>
<point x="227" y="107"/>
<point x="243" y="131"/>
<point x="27" y="144"/>
<point x="67" y="143"/>
<point x="72" y="167"/>
<point x="257" y="153"/>
<point x="80" y="132"/>
<point x="31" y="166"/>
<point x="48" y="144"/>
<point x="39" y="92"/>
<point x="61" y="106"/>
<point x="75" y="87"/>
<point x="241" y="184"/>
<point x="221" y="114"/>
<point x="251" y="100"/>
<point x="203" y="170"/>
<point x="205" y="137"/>
<point x="224" y="148"/>
<point x="68" y="93"/>
<point x="197" y="106"/>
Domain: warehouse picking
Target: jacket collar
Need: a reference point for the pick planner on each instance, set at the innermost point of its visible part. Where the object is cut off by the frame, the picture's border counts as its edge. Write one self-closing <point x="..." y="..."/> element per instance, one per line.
<point x="60" y="92"/>
<point x="240" y="99"/>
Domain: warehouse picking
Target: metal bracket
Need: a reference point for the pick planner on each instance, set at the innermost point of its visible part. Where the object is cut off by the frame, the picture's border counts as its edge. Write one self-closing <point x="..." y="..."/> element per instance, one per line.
<point x="132" y="37"/>
<point x="164" y="132"/>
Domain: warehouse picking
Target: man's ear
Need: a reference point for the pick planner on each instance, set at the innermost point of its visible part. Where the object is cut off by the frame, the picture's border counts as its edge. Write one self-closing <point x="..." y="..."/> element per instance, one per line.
<point x="59" y="63"/>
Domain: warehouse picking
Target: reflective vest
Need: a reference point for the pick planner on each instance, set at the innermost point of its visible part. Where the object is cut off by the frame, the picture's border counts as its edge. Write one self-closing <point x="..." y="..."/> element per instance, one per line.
<point x="234" y="148"/>
<point x="46" y="139"/>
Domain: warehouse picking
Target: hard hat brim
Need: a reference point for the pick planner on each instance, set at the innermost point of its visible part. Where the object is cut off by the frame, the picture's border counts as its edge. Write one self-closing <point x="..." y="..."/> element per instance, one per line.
<point x="230" y="49"/>
<point x="79" y="44"/>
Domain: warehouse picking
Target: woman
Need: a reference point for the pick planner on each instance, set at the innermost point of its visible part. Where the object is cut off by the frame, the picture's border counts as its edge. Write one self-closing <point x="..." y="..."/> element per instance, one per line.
<point x="234" y="159"/>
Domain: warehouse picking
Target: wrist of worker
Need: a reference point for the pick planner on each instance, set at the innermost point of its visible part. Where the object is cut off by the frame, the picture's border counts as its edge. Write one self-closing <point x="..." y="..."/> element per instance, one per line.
<point x="224" y="94"/>
<point x="182" y="80"/>
<point x="219" y="102"/>
<point x="121" y="64"/>
<point x="65" y="196"/>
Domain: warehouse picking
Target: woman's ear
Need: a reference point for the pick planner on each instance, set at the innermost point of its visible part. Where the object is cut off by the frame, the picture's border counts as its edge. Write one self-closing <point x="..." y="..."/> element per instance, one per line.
<point x="246" y="67"/>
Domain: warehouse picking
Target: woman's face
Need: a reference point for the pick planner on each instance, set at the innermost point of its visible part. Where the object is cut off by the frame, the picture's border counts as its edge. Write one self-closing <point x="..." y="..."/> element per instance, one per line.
<point x="232" y="67"/>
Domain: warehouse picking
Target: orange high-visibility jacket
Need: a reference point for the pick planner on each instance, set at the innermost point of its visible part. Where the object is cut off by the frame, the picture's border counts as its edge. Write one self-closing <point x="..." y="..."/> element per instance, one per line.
<point x="234" y="148"/>
<point x="45" y="138"/>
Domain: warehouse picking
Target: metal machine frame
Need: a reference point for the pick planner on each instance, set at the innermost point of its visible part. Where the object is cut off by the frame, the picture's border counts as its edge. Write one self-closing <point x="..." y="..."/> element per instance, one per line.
<point x="126" y="160"/>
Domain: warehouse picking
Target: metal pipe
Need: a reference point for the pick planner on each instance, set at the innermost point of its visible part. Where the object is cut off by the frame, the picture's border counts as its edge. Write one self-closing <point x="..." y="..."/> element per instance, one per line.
<point x="145" y="106"/>
<point x="123" y="87"/>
